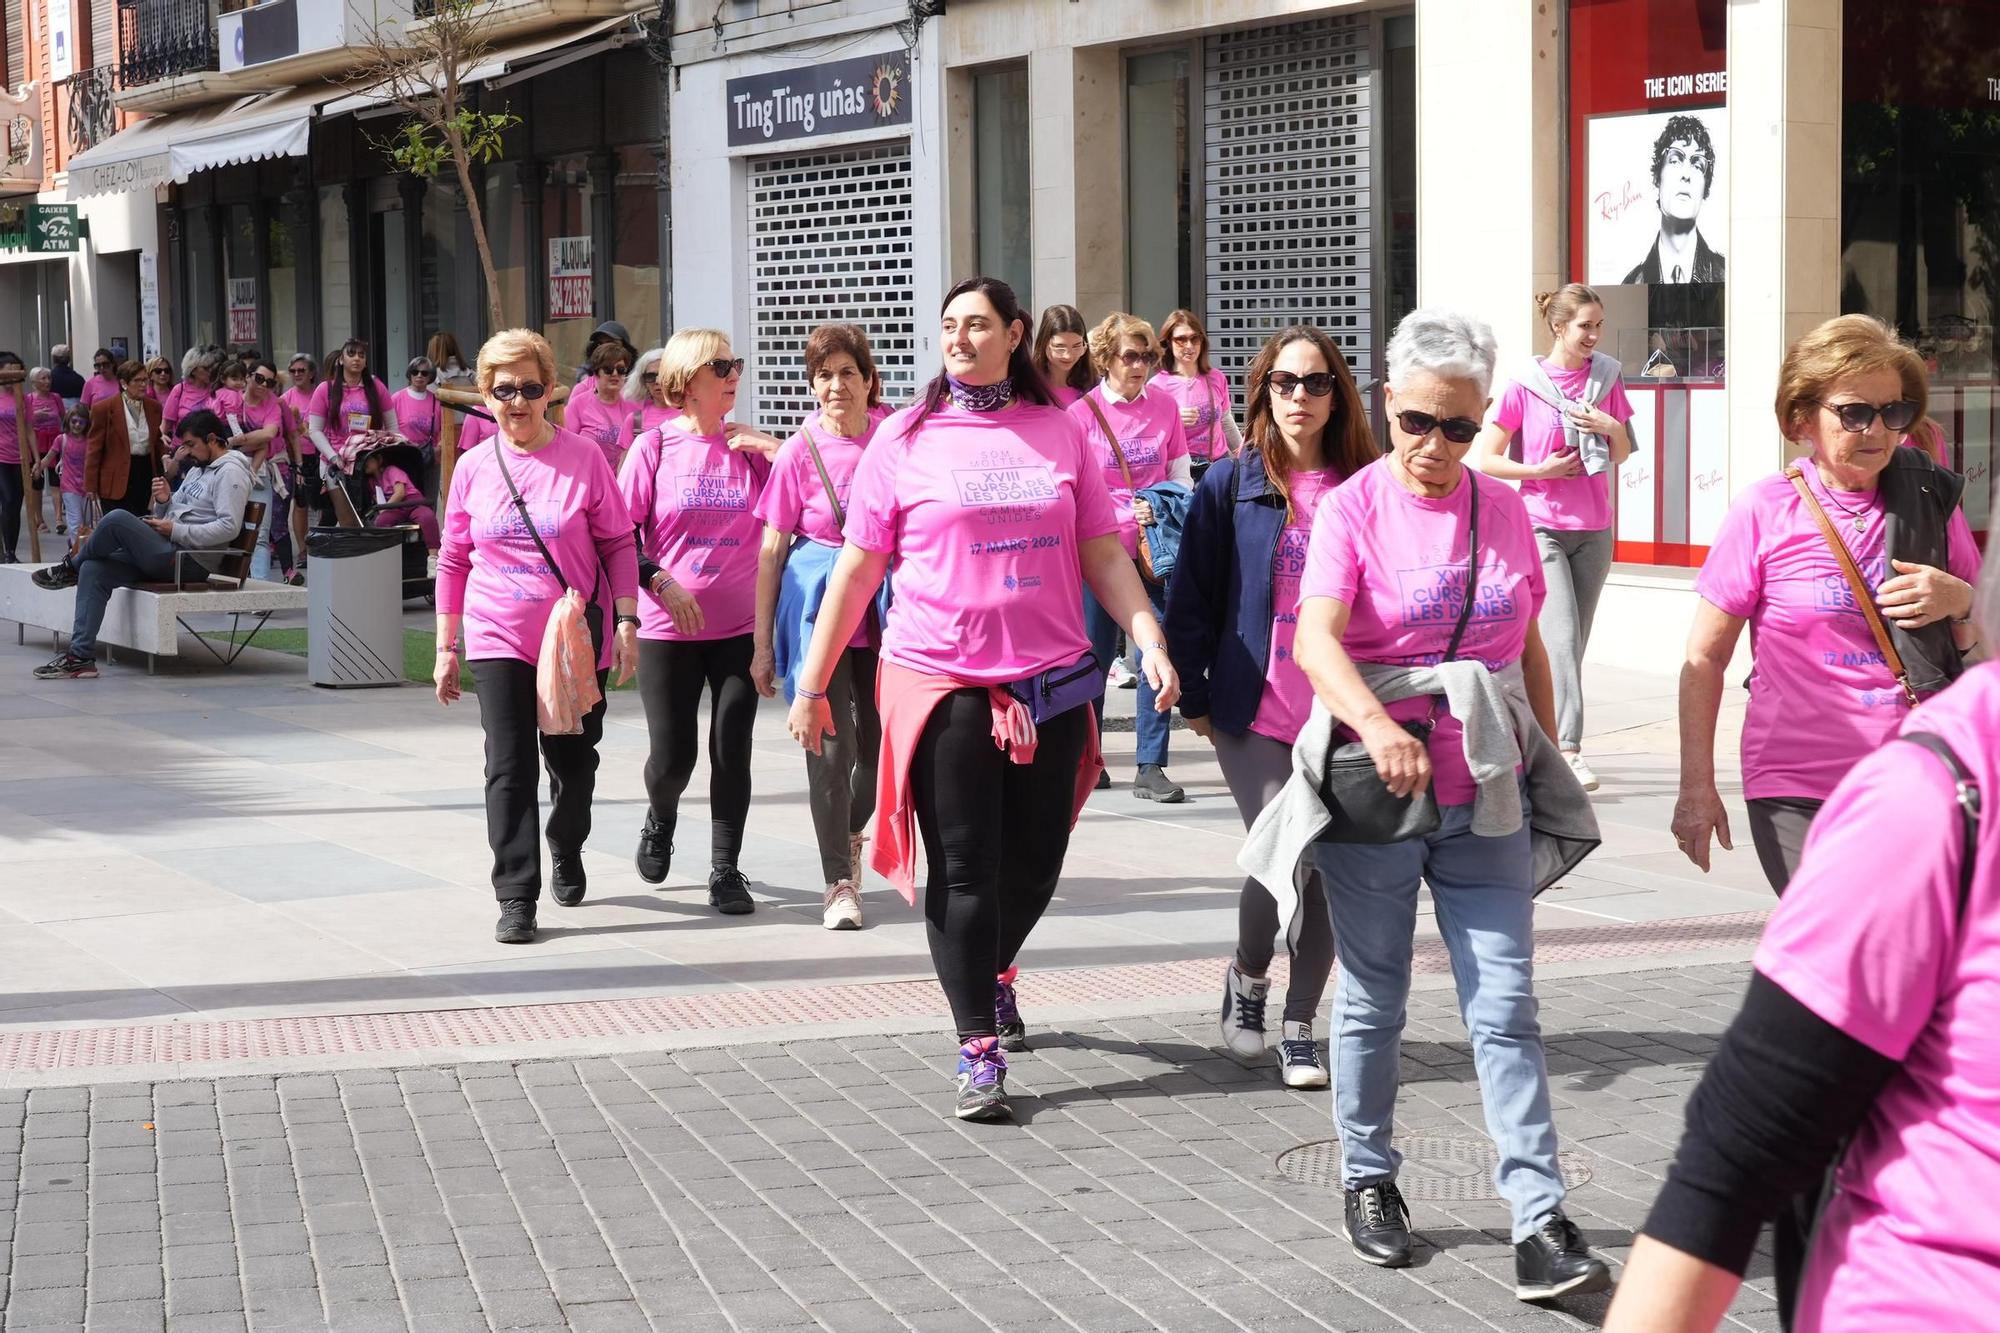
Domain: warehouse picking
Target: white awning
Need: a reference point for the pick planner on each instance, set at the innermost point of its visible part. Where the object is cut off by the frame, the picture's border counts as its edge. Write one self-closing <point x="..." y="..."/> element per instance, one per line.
<point x="515" y="58"/>
<point x="174" y="147"/>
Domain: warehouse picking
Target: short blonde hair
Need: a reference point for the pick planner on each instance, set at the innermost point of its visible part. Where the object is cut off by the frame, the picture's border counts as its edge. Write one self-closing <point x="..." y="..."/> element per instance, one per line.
<point x="1844" y="346"/>
<point x="684" y="356"/>
<point x="1113" y="329"/>
<point x="511" y="345"/>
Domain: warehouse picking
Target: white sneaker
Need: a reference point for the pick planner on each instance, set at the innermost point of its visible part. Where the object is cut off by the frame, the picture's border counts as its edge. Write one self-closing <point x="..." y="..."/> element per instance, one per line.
<point x="1243" y="1012"/>
<point x="843" y="907"/>
<point x="1298" y="1057"/>
<point x="1581" y="769"/>
<point x="1121" y="676"/>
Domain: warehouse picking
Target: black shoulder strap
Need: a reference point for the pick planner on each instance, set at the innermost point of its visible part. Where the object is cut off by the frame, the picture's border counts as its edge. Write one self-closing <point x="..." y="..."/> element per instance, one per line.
<point x="1471" y="569"/>
<point x="1968" y="808"/>
<point x="832" y="496"/>
<point x="500" y="457"/>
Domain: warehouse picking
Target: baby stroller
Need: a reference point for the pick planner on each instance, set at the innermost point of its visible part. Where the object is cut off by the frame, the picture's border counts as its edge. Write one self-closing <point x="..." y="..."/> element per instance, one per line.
<point x="357" y="504"/>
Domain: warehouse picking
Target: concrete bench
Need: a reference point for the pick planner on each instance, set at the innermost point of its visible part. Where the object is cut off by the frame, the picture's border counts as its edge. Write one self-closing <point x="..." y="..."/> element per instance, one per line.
<point x="145" y="619"/>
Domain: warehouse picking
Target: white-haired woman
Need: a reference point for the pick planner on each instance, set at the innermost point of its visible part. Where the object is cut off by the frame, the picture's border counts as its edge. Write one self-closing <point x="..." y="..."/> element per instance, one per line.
<point x="196" y="391"/>
<point x="646" y="395"/>
<point x="1417" y="631"/>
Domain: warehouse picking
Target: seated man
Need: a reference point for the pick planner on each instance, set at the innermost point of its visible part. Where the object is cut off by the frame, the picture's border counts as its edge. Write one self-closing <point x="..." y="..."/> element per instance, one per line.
<point x="204" y="514"/>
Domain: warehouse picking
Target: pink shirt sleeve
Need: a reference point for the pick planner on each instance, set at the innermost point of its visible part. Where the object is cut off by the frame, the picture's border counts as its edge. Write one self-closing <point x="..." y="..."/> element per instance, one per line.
<point x="1616" y="405"/>
<point x="1962" y="559"/>
<point x="636" y="474"/>
<point x="1865" y="935"/>
<point x="317" y="407"/>
<point x="611" y="527"/>
<point x="873" y="515"/>
<point x="455" y="545"/>
<point x="1731" y="578"/>
<point x="1096" y="516"/>
<point x="783" y="500"/>
<point x="1332" y="569"/>
<point x="1507" y="414"/>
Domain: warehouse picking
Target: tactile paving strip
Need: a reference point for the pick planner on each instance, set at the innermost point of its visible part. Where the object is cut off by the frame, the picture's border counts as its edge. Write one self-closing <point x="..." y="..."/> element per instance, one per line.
<point x="212" y="1041"/>
<point x="1439" y="1170"/>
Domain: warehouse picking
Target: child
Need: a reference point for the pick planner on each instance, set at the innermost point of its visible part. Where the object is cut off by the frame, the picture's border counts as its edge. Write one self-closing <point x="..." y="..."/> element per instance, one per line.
<point x="229" y="398"/>
<point x="399" y="500"/>
<point x="65" y="454"/>
<point x="45" y="412"/>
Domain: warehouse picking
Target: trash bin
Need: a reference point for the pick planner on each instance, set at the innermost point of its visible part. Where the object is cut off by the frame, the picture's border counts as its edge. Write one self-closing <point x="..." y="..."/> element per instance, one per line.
<point x="354" y="606"/>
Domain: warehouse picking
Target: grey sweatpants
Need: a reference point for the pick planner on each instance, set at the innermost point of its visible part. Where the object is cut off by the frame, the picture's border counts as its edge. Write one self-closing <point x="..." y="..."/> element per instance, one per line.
<point x="1256" y="769"/>
<point x="1778" y="827"/>
<point x="840" y="779"/>
<point x="1575" y="565"/>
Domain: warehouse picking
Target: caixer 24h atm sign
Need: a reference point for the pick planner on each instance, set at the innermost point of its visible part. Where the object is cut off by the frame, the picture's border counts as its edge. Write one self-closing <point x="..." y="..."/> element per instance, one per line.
<point x="40" y="229"/>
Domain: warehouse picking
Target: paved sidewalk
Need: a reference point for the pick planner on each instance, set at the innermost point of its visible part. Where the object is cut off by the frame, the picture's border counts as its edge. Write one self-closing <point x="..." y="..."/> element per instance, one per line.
<point x="818" y="1184"/>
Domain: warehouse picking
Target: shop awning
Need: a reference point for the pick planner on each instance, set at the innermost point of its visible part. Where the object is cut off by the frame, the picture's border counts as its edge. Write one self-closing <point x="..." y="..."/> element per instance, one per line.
<point x="174" y="147"/>
<point x="528" y="56"/>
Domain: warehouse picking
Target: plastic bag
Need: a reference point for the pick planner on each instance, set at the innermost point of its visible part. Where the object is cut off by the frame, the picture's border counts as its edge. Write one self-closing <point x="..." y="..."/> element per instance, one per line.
<point x="566" y="671"/>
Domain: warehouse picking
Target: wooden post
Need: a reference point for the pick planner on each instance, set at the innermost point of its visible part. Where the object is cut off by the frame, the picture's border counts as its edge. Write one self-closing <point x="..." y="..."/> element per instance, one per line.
<point x="447" y="454"/>
<point x="15" y="381"/>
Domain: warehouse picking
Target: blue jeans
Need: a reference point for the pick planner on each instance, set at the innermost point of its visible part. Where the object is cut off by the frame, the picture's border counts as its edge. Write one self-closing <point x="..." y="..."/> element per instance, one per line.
<point x="260" y="555"/>
<point x="1153" y="727"/>
<point x="120" y="552"/>
<point x="1483" y="891"/>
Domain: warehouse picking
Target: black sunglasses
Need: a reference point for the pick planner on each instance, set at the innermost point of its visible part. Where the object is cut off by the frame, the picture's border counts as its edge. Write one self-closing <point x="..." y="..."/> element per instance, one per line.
<point x="268" y="381"/>
<point x="1858" y="417"/>
<point x="1283" y="382"/>
<point x="1459" y="430"/>
<point x="618" y="370"/>
<point x="530" y="391"/>
<point x="724" y="366"/>
<point x="650" y="377"/>
<point x="100" y="365"/>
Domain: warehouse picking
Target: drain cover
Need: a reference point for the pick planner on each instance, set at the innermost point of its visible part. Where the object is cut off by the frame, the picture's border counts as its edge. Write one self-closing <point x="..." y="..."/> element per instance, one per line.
<point x="1438" y="1169"/>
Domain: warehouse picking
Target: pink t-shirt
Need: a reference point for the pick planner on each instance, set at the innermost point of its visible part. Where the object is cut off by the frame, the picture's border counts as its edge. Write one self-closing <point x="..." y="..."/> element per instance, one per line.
<point x="300" y="401"/>
<point x="1065" y="395"/>
<point x="608" y="424"/>
<point x="417" y="416"/>
<point x="184" y="398"/>
<point x="652" y="416"/>
<point x="393" y="475"/>
<point x="74" y="451"/>
<point x="880" y="413"/>
<point x="228" y="402"/>
<point x="694" y="499"/>
<point x="1820" y="696"/>
<point x="97" y="388"/>
<point x="1288" y="696"/>
<point x="983" y="513"/>
<point x="1867" y="937"/>
<point x="1560" y="504"/>
<point x="45" y="411"/>
<point x="475" y="431"/>
<point x="488" y="568"/>
<point x="1209" y="396"/>
<point x="351" y="417"/>
<point x="1399" y="561"/>
<point x="1149" y="431"/>
<point x="10" y="434"/>
<point x="795" y="499"/>
<point x="263" y="416"/>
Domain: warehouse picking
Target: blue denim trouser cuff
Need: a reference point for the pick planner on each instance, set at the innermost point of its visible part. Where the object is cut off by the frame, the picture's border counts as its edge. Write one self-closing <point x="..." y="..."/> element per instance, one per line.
<point x="1152" y="727"/>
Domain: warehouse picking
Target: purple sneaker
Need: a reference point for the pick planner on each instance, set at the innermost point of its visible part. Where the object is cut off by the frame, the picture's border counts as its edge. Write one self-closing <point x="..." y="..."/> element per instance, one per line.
<point x="982" y="1081"/>
<point x="1007" y="1012"/>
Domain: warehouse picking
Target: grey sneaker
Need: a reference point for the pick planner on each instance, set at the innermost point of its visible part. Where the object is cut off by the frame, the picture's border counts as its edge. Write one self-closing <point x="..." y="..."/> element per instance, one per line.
<point x="1153" y="784"/>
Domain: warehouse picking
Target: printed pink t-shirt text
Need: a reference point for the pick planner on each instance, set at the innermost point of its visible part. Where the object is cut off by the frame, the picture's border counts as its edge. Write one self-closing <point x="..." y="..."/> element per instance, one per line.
<point x="1208" y="396"/>
<point x="1560" y="504"/>
<point x="609" y="424"/>
<point x="694" y="499"/>
<point x="1287" y="701"/>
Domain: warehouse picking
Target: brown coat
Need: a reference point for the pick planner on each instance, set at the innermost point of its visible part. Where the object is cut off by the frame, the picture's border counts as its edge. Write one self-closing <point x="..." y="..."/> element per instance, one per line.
<point x="107" y="465"/>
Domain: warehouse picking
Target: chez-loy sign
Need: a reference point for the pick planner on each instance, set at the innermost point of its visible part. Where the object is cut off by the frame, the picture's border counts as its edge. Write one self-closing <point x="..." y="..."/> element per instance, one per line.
<point x="813" y="100"/>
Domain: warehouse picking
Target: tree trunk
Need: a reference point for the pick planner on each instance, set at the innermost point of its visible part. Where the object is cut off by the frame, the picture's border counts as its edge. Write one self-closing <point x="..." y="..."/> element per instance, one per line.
<point x="475" y="211"/>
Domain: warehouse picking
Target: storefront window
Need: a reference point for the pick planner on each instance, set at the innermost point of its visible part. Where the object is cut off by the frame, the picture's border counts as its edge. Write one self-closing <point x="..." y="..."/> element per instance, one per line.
<point x="1000" y="176"/>
<point x="285" y="250"/>
<point x="635" y="246"/>
<point x="1158" y="214"/>
<point x="1920" y="208"/>
<point x="239" y="267"/>
<point x="450" y="295"/>
<point x="506" y="233"/>
<point x="204" y="316"/>
<point x="336" y="271"/>
<point x="566" y="222"/>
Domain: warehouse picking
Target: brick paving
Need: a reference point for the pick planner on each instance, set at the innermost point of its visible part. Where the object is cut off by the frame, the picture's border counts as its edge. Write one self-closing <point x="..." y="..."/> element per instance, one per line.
<point x="815" y="1184"/>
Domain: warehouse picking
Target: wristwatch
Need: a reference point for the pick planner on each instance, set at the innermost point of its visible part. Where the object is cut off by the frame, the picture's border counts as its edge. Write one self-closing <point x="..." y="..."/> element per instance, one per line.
<point x="625" y="619"/>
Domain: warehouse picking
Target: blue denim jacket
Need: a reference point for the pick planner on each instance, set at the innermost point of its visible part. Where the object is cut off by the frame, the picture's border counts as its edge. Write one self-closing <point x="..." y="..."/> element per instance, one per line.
<point x="1219" y="603"/>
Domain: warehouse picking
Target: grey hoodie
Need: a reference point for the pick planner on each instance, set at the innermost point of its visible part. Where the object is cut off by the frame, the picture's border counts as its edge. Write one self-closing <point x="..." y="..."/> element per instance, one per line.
<point x="207" y="510"/>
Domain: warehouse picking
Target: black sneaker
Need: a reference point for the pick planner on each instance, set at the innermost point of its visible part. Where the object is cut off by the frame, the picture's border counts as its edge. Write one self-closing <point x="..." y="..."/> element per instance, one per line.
<point x="729" y="892"/>
<point x="982" y="1081"/>
<point x="67" y="666"/>
<point x="566" y="878"/>
<point x="1555" y="1262"/>
<point x="1104" y="779"/>
<point x="1377" y="1225"/>
<point x="517" y="922"/>
<point x="1007" y="1013"/>
<point x="56" y="577"/>
<point x="1153" y="784"/>
<point x="655" y="852"/>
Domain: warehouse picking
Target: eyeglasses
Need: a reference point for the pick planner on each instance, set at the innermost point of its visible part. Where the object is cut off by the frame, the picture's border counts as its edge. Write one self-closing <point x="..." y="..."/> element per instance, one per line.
<point x="301" y="370"/>
<point x="1858" y="417"/>
<point x="100" y="365"/>
<point x="724" y="366"/>
<point x="616" y="372"/>
<point x="268" y="381"/>
<point x="1185" y="338"/>
<point x="1139" y="360"/>
<point x="531" y="391"/>
<point x="1283" y="383"/>
<point x="1459" y="430"/>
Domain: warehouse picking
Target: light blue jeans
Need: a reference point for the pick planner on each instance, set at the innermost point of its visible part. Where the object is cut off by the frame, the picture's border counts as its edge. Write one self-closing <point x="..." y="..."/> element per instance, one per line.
<point x="260" y="554"/>
<point x="1483" y="890"/>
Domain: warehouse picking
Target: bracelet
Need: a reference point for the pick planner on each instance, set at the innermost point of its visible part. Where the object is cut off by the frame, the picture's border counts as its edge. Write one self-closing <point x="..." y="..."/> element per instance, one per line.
<point x="817" y="696"/>
<point x="626" y="619"/>
<point x="1155" y="647"/>
<point x="447" y="649"/>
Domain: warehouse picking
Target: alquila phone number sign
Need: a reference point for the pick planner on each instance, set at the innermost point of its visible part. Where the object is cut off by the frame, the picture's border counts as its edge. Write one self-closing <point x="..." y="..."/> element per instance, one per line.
<point x="812" y="101"/>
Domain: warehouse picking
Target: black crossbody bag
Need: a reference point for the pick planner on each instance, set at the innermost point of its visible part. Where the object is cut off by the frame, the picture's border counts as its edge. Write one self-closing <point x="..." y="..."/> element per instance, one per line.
<point x="1360" y="804"/>
<point x="593" y="614"/>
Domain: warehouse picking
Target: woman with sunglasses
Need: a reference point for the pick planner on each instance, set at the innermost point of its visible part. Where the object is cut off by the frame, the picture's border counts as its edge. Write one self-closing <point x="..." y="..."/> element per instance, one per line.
<point x="1062" y="354"/>
<point x="602" y="414"/>
<point x="200" y="367"/>
<point x="1199" y="390"/>
<point x="159" y="379"/>
<point x="1821" y="695"/>
<point x="993" y="509"/>
<point x="349" y="401"/>
<point x="266" y="431"/>
<point x="309" y="500"/>
<point x="1231" y="620"/>
<point x="1569" y="412"/>
<point x="103" y="381"/>
<point x="693" y="493"/>
<point x="419" y="415"/>
<point x="1136" y="434"/>
<point x="1422" y="577"/>
<point x="646" y="397"/>
<point x="497" y="581"/>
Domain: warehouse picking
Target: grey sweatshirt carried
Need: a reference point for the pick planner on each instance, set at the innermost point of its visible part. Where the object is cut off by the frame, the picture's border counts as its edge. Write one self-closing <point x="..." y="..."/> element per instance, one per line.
<point x="207" y="510"/>
<point x="1501" y="736"/>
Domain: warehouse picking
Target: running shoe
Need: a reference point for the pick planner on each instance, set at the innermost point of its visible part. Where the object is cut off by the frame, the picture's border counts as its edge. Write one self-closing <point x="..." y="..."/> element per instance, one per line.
<point x="1007" y="1012"/>
<point x="1104" y="779"/>
<point x="1153" y="784"/>
<point x="517" y="922"/>
<point x="1243" y="1000"/>
<point x="56" y="577"/>
<point x="1298" y="1057"/>
<point x="1121" y="676"/>
<point x="729" y="892"/>
<point x="67" y="666"/>
<point x="842" y="909"/>
<point x="982" y="1081"/>
<point x="566" y="877"/>
<point x="1581" y="769"/>
<point x="655" y="852"/>
<point x="1376" y="1222"/>
<point x="1555" y="1262"/>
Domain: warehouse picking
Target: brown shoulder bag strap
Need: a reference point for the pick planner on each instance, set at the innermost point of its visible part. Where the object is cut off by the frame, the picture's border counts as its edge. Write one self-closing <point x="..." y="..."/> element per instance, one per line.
<point x="1090" y="396"/>
<point x="832" y="496"/>
<point x="1863" y="596"/>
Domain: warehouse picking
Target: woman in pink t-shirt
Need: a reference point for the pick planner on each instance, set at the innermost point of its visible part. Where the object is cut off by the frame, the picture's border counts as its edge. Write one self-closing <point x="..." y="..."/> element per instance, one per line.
<point x="1199" y="390"/>
<point x="349" y="400"/>
<point x="1821" y="694"/>
<point x="804" y="509"/>
<point x="646" y="394"/>
<point x="692" y="486"/>
<point x="419" y="414"/>
<point x="533" y="515"/>
<point x="1136" y="434"/>
<point x="1231" y="621"/>
<point x="598" y="410"/>
<point x="15" y="435"/>
<point x="45" y="413"/>
<point x="988" y="502"/>
<point x="1419" y="562"/>
<point x="1062" y="354"/>
<point x="200" y="369"/>
<point x="1867" y="1043"/>
<point x="1567" y="453"/>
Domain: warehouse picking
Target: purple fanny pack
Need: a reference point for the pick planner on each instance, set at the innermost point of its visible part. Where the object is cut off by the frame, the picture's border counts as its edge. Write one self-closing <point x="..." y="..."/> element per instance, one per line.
<point x="1053" y="692"/>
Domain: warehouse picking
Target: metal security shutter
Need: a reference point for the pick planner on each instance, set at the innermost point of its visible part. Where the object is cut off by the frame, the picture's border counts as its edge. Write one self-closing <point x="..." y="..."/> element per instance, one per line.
<point x="13" y="13"/>
<point x="103" y="32"/>
<point x="1286" y="188"/>
<point x="830" y="242"/>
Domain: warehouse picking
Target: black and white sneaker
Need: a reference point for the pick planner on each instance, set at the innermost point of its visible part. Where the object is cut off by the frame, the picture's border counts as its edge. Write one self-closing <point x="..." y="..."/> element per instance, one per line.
<point x="517" y="922"/>
<point x="1243" y="1000"/>
<point x="1555" y="1262"/>
<point x="56" y="577"/>
<point x="1298" y="1057"/>
<point x="67" y="666"/>
<point x="655" y="852"/>
<point x="1377" y="1224"/>
<point x="729" y="892"/>
<point x="566" y="878"/>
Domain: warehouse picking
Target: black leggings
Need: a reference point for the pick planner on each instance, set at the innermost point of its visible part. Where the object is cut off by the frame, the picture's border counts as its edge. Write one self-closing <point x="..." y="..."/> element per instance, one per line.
<point x="138" y="497"/>
<point x="10" y="508"/>
<point x="507" y="712"/>
<point x="995" y="833"/>
<point x="672" y="675"/>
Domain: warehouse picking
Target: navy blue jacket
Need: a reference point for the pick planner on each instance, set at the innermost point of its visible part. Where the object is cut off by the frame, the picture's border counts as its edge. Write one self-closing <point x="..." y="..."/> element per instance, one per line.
<point x="1219" y="603"/>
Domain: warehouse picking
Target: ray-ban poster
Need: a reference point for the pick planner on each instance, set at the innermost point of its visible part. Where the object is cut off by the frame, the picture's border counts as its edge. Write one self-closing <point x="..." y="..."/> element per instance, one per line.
<point x="1658" y="204"/>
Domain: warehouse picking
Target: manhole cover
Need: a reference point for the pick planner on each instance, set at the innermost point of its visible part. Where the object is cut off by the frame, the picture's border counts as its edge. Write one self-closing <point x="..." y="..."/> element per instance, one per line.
<point x="1438" y="1169"/>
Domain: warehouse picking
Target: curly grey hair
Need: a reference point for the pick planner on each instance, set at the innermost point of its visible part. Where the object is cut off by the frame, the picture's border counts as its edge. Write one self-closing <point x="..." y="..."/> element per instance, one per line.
<point x="1448" y="343"/>
<point x="208" y="354"/>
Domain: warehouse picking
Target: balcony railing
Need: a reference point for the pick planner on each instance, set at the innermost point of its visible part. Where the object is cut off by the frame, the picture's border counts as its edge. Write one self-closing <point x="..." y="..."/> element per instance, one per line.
<point x="91" y="113"/>
<point x="162" y="39"/>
